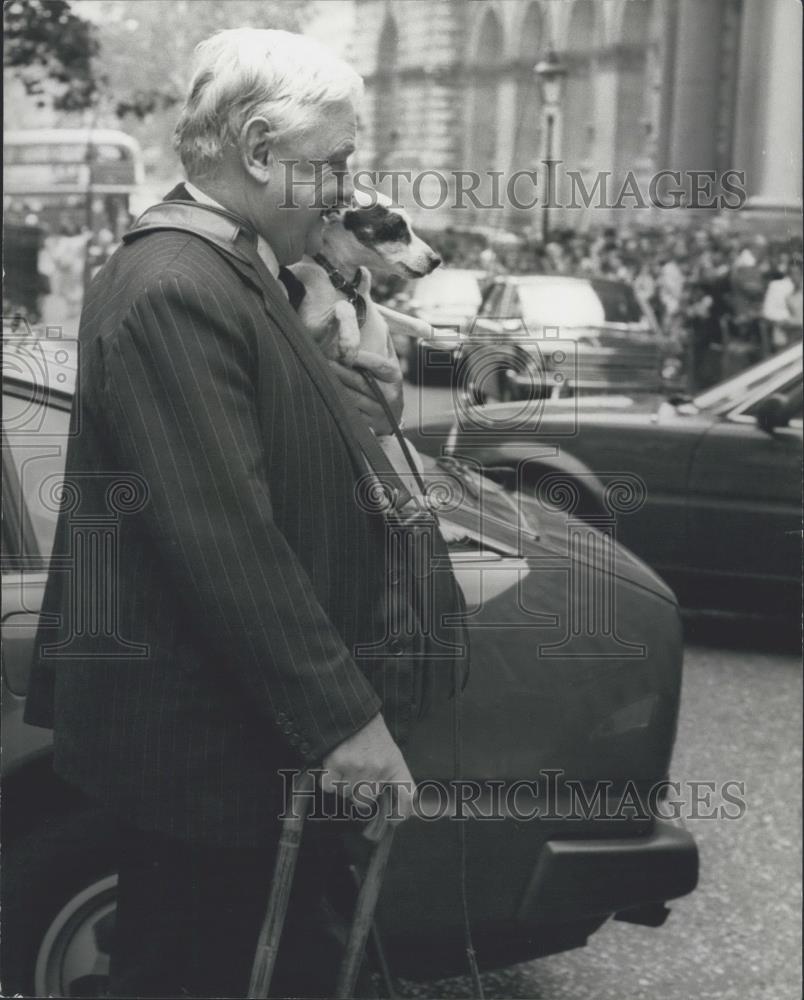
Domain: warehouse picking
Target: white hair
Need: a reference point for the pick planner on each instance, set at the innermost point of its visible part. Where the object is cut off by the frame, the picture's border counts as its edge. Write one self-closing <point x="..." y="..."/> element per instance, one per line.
<point x="243" y="73"/>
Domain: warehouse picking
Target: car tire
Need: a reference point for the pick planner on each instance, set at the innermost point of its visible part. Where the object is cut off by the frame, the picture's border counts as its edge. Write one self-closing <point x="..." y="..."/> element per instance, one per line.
<point x="59" y="889"/>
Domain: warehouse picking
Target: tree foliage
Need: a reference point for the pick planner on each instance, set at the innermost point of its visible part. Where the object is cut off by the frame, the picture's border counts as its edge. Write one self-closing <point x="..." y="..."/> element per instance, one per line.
<point x="51" y="50"/>
<point x="131" y="62"/>
<point x="147" y="52"/>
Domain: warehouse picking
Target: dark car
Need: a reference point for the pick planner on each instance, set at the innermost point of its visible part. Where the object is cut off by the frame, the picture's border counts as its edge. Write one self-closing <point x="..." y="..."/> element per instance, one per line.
<point x="585" y="701"/>
<point x="448" y="300"/>
<point x="562" y="335"/>
<point x="716" y="480"/>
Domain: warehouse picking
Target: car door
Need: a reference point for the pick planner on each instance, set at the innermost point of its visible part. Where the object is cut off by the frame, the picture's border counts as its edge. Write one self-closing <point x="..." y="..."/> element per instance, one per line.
<point x="35" y="434"/>
<point x="744" y="503"/>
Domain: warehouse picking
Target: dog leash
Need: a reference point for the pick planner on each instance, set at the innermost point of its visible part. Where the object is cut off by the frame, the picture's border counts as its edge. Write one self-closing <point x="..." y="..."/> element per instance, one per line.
<point x="349" y="288"/>
<point x="457" y="715"/>
<point x="342" y="284"/>
<point x="222" y="230"/>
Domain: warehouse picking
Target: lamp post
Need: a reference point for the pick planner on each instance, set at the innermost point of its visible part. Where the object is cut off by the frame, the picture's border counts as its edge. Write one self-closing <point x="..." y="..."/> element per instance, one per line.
<point x="550" y="73"/>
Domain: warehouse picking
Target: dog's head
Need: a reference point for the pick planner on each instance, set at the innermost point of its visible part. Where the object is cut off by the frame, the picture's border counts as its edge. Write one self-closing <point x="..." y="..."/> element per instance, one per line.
<point x="375" y="235"/>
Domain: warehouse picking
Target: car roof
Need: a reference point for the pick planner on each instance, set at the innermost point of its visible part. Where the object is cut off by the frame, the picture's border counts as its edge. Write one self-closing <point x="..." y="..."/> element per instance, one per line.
<point x="472" y="272"/>
<point x="563" y="279"/>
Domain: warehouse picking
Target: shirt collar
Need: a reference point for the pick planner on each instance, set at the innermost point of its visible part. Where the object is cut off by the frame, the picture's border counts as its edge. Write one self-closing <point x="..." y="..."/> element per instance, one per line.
<point x="267" y="255"/>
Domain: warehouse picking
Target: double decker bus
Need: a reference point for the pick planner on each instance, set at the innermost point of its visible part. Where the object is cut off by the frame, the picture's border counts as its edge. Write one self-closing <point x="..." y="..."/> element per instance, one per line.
<point x="64" y="183"/>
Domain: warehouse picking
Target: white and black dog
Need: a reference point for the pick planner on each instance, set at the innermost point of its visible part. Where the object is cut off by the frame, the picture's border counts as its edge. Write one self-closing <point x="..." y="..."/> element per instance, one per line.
<point x="337" y="308"/>
<point x="347" y="245"/>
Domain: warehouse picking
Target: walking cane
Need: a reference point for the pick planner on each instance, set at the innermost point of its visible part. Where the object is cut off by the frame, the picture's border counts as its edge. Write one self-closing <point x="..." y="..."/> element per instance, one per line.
<point x="380" y="832"/>
<point x="284" y="867"/>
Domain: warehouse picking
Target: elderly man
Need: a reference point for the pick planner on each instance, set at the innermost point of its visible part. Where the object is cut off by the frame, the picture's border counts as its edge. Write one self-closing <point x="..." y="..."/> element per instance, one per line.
<point x="245" y="573"/>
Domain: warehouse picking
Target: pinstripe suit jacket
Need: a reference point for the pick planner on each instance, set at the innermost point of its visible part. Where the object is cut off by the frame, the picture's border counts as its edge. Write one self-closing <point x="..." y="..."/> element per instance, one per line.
<point x="213" y="571"/>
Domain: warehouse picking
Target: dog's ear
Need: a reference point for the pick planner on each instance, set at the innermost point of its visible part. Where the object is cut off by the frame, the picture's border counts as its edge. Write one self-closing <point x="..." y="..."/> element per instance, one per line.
<point x="362" y="198"/>
<point x="376" y="225"/>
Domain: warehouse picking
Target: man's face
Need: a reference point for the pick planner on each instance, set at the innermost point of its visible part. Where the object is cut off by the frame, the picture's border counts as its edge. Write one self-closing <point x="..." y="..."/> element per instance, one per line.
<point x="313" y="175"/>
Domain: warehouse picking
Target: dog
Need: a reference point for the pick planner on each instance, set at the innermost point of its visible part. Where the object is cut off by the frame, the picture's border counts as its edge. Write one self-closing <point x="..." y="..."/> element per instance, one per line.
<point x="337" y="309"/>
<point x="346" y="247"/>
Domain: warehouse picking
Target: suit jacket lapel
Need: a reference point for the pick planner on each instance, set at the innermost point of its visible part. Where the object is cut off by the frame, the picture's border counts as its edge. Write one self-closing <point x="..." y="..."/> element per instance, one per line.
<point x="290" y="326"/>
<point x="243" y="257"/>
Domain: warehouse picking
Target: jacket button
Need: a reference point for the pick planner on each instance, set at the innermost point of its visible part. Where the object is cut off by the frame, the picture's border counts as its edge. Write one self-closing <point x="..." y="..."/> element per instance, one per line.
<point x="305" y="748"/>
<point x="396" y="647"/>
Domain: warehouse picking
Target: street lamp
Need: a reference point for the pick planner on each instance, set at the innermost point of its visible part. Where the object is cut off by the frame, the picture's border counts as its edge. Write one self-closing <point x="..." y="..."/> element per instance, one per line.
<point x="550" y="73"/>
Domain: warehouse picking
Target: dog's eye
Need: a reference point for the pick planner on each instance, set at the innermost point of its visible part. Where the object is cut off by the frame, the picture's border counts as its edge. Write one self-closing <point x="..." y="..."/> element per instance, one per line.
<point x="394" y="229"/>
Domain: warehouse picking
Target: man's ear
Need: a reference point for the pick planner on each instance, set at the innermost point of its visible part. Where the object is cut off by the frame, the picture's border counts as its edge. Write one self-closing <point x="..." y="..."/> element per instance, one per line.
<point x="256" y="149"/>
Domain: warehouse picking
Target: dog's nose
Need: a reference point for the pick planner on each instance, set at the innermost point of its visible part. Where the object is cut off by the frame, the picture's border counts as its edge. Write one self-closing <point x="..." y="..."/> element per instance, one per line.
<point x="434" y="262"/>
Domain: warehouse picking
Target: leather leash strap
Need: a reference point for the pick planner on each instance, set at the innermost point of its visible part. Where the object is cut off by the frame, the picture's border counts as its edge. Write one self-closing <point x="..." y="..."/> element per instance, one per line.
<point x="234" y="238"/>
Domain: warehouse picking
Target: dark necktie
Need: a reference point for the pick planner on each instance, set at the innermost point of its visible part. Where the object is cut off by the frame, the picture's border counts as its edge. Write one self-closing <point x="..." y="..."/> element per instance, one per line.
<point x="295" y="288"/>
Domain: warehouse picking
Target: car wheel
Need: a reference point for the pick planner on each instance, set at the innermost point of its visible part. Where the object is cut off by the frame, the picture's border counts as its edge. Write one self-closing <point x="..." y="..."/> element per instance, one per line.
<point x="59" y="893"/>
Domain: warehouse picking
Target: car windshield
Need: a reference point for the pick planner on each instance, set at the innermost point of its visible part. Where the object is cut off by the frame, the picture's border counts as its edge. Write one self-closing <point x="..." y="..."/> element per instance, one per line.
<point x="733" y="390"/>
<point x="448" y="289"/>
<point x="568" y="302"/>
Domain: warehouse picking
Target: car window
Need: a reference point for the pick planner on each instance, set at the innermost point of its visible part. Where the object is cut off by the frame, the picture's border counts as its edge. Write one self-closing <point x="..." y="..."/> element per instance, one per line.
<point x="448" y="290"/>
<point x="791" y="389"/>
<point x="620" y="304"/>
<point x="493" y="301"/>
<point x="35" y="445"/>
<point x="573" y="303"/>
<point x="561" y="303"/>
<point x="732" y="391"/>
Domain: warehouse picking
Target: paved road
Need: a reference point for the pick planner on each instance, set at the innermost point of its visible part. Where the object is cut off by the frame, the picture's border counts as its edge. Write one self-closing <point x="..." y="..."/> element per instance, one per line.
<point x="739" y="935"/>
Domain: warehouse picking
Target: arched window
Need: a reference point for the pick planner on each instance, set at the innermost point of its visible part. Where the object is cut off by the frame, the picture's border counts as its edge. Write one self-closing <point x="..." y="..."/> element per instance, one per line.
<point x="578" y="118"/>
<point x="387" y="110"/>
<point x="527" y="138"/>
<point x="486" y="60"/>
<point x="633" y="93"/>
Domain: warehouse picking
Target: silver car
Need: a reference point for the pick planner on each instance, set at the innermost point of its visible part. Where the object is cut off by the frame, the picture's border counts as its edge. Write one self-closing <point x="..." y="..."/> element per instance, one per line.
<point x="549" y="335"/>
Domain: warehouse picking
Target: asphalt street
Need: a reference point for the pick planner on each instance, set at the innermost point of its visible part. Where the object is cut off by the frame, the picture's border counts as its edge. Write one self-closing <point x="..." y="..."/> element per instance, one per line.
<point x="739" y="934"/>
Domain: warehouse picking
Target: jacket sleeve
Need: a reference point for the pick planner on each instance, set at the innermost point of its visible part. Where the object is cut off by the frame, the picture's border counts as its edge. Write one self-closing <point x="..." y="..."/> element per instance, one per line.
<point x="181" y="401"/>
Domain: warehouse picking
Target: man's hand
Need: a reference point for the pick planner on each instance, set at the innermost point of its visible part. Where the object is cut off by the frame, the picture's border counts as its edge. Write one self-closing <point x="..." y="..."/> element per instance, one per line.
<point x="370" y="755"/>
<point x="386" y="370"/>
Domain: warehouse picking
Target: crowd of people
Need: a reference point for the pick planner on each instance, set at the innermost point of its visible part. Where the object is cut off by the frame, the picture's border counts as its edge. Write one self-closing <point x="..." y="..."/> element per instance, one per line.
<point x="727" y="298"/>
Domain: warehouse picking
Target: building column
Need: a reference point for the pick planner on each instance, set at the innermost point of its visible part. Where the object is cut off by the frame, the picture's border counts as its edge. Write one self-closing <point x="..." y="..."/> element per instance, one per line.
<point x="768" y="140"/>
<point x="693" y="129"/>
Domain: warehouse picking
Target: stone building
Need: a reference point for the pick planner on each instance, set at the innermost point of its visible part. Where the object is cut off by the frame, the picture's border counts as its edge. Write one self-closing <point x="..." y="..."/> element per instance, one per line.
<point x="688" y="85"/>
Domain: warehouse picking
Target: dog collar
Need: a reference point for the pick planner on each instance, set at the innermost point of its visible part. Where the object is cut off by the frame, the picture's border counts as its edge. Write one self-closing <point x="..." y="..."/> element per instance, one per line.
<point x="349" y="288"/>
